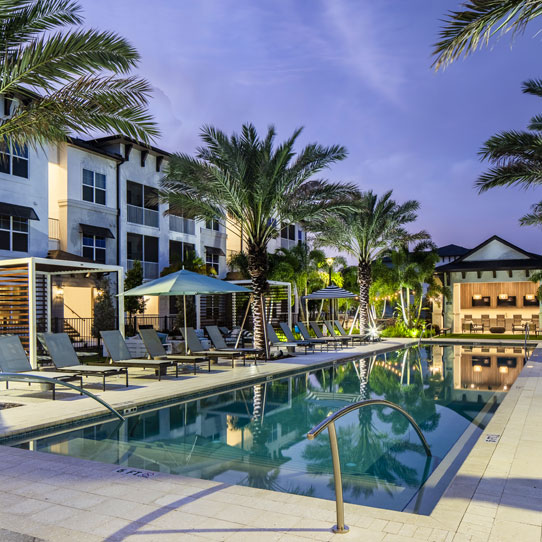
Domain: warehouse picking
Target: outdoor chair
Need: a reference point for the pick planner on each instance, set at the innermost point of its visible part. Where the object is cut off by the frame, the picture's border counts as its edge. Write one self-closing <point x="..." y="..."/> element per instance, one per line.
<point x="220" y="344"/>
<point x="289" y="345"/>
<point x="501" y="321"/>
<point x="534" y="324"/>
<point x="363" y="337"/>
<point x="307" y="336"/>
<point x="485" y="322"/>
<point x="466" y="325"/>
<point x="195" y="347"/>
<point x="331" y="330"/>
<point x="318" y="332"/>
<point x="13" y="360"/>
<point x="517" y="323"/>
<point x="156" y="350"/>
<point x="120" y="355"/>
<point x="300" y="342"/>
<point x="64" y="358"/>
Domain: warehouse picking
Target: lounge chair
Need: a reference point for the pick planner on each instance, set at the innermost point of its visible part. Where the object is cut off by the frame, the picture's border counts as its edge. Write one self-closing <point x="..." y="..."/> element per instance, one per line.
<point x="307" y="336"/>
<point x="13" y="360"/>
<point x="121" y="357"/>
<point x="289" y="345"/>
<point x="332" y="333"/>
<point x="156" y="350"/>
<point x="300" y="342"/>
<point x="363" y="337"/>
<point x="533" y="324"/>
<point x="196" y="347"/>
<point x="220" y="344"/>
<point x="318" y="332"/>
<point x="65" y="358"/>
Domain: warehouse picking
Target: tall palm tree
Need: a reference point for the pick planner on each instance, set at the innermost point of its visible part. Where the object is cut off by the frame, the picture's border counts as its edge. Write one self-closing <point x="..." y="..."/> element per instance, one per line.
<point x="255" y="186"/>
<point x="367" y="232"/>
<point x="516" y="157"/>
<point x="468" y="30"/>
<point x="57" y="81"/>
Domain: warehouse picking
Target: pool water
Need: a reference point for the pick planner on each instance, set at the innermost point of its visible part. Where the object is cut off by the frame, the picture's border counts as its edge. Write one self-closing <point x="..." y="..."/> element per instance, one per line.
<point x="256" y="435"/>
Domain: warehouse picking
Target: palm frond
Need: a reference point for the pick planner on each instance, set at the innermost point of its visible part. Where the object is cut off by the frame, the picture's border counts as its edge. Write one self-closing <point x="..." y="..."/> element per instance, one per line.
<point x="470" y="29"/>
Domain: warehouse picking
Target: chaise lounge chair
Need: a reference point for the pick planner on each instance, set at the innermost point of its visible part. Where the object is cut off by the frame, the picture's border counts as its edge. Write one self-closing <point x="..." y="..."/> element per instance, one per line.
<point x="156" y="350"/>
<point x="307" y="336"/>
<point x="220" y="344"/>
<point x="195" y="346"/>
<point x="363" y="337"/>
<point x="289" y="345"/>
<point x="300" y="342"/>
<point x="121" y="357"/>
<point x="318" y="332"/>
<point x="65" y="358"/>
<point x="13" y="360"/>
<point x="333" y="333"/>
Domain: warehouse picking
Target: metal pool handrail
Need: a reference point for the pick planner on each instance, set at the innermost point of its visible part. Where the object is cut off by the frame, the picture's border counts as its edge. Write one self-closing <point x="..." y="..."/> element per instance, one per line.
<point x="329" y="422"/>
<point x="38" y="378"/>
<point x="527" y="333"/>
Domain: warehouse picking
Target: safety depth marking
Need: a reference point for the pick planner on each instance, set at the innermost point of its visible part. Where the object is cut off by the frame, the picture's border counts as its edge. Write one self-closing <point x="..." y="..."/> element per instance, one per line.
<point x="135" y="472"/>
<point x="493" y="438"/>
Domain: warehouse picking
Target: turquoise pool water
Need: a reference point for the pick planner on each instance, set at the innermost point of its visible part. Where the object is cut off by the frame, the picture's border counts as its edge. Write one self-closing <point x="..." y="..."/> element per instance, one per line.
<point x="256" y="435"/>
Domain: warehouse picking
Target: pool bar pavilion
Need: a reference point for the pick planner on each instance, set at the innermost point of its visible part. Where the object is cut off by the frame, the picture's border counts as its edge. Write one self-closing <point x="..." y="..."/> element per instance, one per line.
<point x="490" y="291"/>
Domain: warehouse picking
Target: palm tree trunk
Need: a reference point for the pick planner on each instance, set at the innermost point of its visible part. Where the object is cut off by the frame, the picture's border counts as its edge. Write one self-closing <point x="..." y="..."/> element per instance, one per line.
<point x="364" y="280"/>
<point x="257" y="269"/>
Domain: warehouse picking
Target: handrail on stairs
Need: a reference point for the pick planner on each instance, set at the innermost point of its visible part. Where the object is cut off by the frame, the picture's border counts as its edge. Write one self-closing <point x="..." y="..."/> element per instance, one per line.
<point x="329" y="423"/>
<point x="20" y="377"/>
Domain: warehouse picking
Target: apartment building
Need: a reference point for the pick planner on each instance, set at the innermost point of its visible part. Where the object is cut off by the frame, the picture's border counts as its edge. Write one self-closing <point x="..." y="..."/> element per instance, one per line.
<point x="96" y="200"/>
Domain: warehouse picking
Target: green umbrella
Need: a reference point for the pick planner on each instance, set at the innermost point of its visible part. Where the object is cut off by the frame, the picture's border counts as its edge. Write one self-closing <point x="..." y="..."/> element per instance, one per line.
<point x="185" y="283"/>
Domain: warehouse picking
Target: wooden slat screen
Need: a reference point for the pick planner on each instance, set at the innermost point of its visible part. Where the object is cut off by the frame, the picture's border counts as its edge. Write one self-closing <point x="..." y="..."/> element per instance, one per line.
<point x="14" y="295"/>
<point x="493" y="289"/>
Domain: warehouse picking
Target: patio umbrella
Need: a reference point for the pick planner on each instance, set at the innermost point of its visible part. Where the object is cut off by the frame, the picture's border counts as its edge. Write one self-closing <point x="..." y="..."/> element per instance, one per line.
<point x="331" y="292"/>
<point x="183" y="283"/>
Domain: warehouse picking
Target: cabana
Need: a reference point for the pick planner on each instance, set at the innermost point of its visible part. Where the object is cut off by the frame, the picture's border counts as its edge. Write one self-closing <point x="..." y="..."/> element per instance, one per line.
<point x="332" y="292"/>
<point x="26" y="294"/>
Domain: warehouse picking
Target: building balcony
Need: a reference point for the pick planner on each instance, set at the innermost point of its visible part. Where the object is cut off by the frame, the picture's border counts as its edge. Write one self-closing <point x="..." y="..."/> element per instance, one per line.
<point x="54" y="234"/>
<point x="145" y="217"/>
<point x="150" y="269"/>
<point x="182" y="225"/>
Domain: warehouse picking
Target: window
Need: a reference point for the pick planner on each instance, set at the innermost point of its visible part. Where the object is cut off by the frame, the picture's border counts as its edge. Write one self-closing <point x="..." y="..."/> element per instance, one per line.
<point x="94" y="248"/>
<point x="212" y="262"/>
<point x="212" y="225"/>
<point x="14" y="159"/>
<point x="179" y="251"/>
<point x="142" y="204"/>
<point x="93" y="187"/>
<point x="13" y="233"/>
<point x="145" y="249"/>
<point x="180" y="224"/>
<point x="288" y="232"/>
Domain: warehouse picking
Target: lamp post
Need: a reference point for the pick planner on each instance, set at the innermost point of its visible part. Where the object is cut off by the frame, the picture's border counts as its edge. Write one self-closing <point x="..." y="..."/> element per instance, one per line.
<point x="329" y="262"/>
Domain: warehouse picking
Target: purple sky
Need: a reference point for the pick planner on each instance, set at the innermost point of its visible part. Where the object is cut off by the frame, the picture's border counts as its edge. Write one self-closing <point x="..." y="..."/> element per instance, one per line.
<point x="355" y="73"/>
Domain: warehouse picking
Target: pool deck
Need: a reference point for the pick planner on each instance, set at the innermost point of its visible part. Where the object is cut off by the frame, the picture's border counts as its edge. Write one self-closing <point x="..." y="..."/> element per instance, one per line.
<point x="496" y="495"/>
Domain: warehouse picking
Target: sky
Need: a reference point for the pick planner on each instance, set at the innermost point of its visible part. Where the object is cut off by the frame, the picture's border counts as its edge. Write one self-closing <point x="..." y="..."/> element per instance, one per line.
<point x="356" y="73"/>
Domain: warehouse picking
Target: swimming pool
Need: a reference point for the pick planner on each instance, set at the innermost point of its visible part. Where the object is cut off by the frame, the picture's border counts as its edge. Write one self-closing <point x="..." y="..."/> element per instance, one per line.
<point x="256" y="435"/>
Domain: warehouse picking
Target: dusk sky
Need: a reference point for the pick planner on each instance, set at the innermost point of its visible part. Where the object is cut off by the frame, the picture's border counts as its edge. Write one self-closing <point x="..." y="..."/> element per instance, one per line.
<point x="356" y="73"/>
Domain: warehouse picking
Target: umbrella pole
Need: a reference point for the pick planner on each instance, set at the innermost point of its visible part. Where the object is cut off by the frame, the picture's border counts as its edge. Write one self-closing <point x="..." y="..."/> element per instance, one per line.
<point x="264" y="328"/>
<point x="186" y="350"/>
<point x="244" y="320"/>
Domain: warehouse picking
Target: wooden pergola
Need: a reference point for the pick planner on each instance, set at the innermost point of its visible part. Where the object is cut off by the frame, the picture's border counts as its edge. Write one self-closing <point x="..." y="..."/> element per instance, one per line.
<point x="26" y="294"/>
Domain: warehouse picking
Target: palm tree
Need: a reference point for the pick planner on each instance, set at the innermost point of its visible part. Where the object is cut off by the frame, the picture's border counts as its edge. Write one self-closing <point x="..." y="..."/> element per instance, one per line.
<point x="468" y="30"/>
<point x="516" y="158"/>
<point x="255" y="186"/>
<point x="367" y="232"/>
<point x="58" y="82"/>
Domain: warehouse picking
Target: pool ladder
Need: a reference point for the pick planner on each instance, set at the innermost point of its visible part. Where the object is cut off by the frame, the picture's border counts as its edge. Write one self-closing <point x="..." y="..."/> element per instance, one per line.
<point x="329" y="422"/>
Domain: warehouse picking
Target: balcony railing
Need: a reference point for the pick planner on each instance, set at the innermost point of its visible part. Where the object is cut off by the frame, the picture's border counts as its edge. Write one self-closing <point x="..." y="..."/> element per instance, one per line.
<point x="150" y="269"/>
<point x="182" y="225"/>
<point x="145" y="217"/>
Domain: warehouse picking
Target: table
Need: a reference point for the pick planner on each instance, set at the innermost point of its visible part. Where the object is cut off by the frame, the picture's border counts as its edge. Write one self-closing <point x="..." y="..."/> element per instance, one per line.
<point x="497" y="329"/>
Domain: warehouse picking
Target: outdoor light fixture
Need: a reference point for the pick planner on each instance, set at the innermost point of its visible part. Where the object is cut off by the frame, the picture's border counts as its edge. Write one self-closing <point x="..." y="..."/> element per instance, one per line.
<point x="477" y="368"/>
<point x="59" y="291"/>
<point x="503" y="370"/>
<point x="529" y="297"/>
<point x="503" y="296"/>
<point x="477" y="296"/>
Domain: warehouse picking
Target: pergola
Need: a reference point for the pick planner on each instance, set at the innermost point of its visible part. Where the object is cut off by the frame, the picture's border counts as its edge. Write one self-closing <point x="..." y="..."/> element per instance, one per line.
<point x="26" y="294"/>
